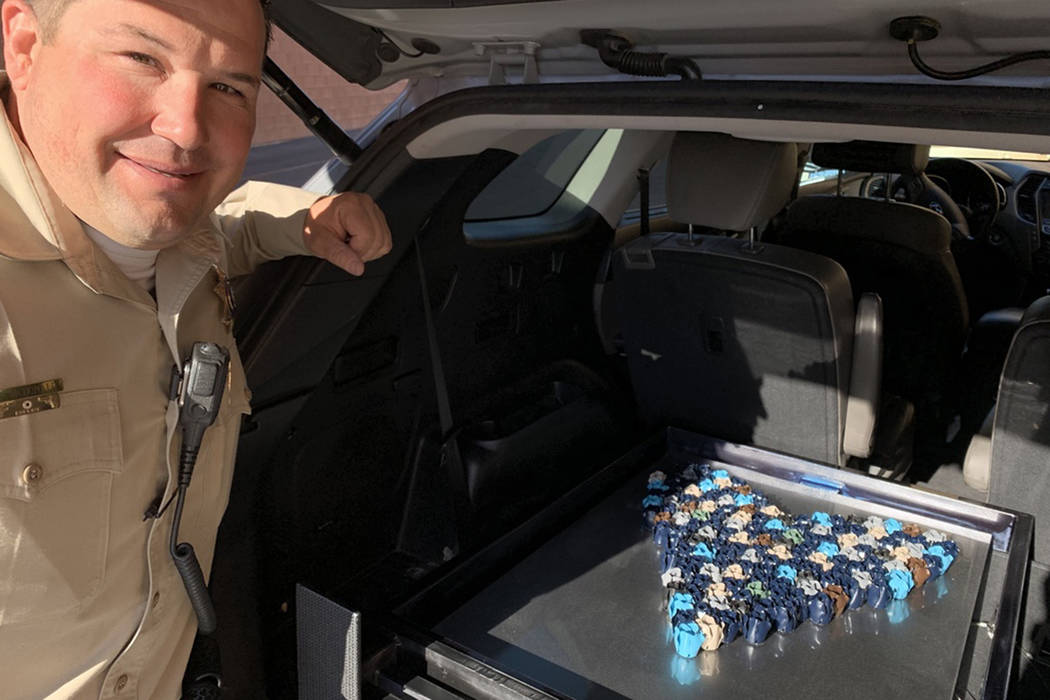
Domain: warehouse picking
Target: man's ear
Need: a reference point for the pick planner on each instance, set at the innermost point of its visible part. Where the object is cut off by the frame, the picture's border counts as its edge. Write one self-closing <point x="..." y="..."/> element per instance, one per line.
<point x="21" y="40"/>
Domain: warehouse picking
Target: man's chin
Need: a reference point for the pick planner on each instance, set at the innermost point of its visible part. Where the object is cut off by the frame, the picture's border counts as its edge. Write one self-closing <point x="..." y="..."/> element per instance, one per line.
<point x="153" y="236"/>
<point x="156" y="230"/>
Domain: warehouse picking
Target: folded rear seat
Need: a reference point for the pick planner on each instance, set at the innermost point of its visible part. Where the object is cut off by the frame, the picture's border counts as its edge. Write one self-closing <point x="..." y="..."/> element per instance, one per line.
<point x="738" y="339"/>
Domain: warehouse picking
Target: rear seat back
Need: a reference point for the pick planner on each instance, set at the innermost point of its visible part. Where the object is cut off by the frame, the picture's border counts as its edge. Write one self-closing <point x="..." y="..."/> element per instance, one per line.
<point x="738" y="339"/>
<point x="748" y="345"/>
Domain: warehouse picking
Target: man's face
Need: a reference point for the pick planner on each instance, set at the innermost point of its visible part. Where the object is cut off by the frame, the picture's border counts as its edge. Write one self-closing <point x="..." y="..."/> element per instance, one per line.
<point x="140" y="113"/>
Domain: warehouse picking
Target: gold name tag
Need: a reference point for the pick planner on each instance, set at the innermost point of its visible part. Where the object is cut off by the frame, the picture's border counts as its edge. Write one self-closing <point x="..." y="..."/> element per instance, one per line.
<point x="31" y="398"/>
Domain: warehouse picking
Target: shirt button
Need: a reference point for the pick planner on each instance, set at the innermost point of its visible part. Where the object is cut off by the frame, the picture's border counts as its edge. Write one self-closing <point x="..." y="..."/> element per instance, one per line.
<point x="121" y="682"/>
<point x="32" y="473"/>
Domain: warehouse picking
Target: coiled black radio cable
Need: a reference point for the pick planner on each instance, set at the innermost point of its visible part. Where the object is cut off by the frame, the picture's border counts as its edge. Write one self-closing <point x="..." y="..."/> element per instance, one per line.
<point x="203" y="380"/>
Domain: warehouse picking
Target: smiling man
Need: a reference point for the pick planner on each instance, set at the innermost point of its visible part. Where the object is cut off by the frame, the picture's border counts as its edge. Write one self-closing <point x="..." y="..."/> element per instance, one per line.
<point x="127" y="124"/>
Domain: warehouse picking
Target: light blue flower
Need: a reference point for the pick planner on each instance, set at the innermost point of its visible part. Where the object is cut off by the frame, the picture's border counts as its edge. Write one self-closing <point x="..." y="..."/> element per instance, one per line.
<point x="821" y="518"/>
<point x="938" y="551"/>
<point x="774" y="524"/>
<point x="785" y="571"/>
<point x="743" y="499"/>
<point x="719" y="474"/>
<point x="892" y="525"/>
<point x="707" y="485"/>
<point x="830" y="549"/>
<point x="678" y="602"/>
<point x="654" y="501"/>
<point x="704" y="551"/>
<point x="688" y="639"/>
<point x="900" y="582"/>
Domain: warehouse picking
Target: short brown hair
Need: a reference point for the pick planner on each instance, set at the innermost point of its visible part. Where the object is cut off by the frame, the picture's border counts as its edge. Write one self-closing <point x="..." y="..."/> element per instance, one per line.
<point x="49" y="12"/>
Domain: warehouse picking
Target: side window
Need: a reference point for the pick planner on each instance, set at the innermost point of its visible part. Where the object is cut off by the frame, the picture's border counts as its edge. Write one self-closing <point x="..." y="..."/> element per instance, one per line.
<point x="533" y="183"/>
<point x="544" y="192"/>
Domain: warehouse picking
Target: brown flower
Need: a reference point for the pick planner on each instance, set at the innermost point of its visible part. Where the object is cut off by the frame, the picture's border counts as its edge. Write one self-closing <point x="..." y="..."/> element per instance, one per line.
<point x="919" y="571"/>
<point x="838" y="598"/>
<point x="764" y="540"/>
<point x="912" y="530"/>
<point x="662" y="516"/>
<point x="744" y="489"/>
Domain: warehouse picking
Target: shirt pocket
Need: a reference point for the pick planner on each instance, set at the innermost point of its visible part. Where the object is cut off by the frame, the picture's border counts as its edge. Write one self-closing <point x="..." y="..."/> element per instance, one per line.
<point x="56" y="474"/>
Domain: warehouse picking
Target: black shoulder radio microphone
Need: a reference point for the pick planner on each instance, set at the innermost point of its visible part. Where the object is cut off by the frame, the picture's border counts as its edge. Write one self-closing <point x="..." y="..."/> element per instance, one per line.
<point x="202" y="384"/>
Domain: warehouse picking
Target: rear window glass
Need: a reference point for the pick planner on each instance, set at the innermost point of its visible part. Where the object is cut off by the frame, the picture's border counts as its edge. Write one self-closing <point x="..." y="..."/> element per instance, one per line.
<point x="531" y="184"/>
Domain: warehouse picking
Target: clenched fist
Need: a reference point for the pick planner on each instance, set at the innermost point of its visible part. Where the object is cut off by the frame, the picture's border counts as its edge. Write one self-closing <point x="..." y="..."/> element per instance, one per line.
<point x="347" y="230"/>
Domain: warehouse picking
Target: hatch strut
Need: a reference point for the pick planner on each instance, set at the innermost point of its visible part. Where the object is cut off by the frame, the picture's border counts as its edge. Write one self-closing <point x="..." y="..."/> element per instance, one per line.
<point x="315" y="119"/>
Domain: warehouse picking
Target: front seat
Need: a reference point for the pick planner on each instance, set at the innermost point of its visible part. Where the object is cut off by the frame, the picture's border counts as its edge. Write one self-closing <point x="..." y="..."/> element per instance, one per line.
<point x="902" y="253"/>
<point x="741" y="340"/>
<point x="1013" y="468"/>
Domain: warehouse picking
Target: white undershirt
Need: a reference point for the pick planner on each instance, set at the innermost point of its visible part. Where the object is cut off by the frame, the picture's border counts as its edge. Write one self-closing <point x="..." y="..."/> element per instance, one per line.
<point x="140" y="266"/>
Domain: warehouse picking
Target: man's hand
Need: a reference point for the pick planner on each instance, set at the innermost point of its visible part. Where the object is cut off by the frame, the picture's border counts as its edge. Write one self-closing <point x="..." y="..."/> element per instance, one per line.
<point x="347" y="230"/>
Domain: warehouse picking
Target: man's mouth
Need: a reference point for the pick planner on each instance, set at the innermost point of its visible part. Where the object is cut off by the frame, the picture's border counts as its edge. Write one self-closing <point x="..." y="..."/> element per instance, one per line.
<point x="172" y="171"/>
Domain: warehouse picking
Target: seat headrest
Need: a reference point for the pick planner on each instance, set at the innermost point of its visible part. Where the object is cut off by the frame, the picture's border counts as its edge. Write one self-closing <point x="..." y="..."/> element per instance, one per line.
<point x="900" y="224"/>
<point x="728" y="183"/>
<point x="1038" y="312"/>
<point x="872" y="157"/>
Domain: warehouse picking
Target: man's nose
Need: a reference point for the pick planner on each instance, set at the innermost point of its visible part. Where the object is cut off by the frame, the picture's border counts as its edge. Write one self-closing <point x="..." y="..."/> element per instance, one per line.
<point x="179" y="117"/>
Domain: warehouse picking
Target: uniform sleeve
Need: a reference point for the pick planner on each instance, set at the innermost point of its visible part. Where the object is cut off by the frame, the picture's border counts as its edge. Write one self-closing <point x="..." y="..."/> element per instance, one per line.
<point x="261" y="221"/>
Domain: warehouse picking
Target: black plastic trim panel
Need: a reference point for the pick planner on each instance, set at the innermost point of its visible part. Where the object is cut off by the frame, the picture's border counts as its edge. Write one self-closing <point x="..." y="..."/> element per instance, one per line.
<point x="1007" y="110"/>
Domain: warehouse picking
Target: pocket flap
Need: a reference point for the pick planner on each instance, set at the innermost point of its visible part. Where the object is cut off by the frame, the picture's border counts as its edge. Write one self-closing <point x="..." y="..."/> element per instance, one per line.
<point x="40" y="449"/>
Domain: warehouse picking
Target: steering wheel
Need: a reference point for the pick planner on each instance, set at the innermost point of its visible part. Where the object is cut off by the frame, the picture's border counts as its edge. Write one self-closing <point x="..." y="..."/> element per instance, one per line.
<point x="971" y="187"/>
<point x="921" y="190"/>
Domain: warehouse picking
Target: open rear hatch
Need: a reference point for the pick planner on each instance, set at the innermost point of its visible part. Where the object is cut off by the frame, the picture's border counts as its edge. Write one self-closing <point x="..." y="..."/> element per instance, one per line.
<point x="377" y="42"/>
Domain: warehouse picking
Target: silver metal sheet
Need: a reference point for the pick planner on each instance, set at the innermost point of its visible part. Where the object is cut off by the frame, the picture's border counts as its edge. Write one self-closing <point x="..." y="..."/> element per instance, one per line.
<point x="582" y="615"/>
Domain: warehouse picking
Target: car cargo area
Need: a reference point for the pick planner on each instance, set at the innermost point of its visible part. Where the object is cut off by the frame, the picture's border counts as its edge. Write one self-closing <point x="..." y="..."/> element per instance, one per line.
<point x="439" y="491"/>
<point x="580" y="613"/>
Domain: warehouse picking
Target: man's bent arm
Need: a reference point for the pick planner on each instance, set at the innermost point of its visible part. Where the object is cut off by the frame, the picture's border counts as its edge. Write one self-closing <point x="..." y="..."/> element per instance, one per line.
<point x="262" y="221"/>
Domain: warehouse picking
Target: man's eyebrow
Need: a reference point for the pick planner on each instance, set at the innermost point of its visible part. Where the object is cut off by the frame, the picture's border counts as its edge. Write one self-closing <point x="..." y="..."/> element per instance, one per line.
<point x="243" y="78"/>
<point x="124" y="28"/>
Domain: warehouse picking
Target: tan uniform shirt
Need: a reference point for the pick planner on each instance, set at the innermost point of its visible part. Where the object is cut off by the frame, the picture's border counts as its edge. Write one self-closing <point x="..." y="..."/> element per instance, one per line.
<point x="91" y="605"/>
